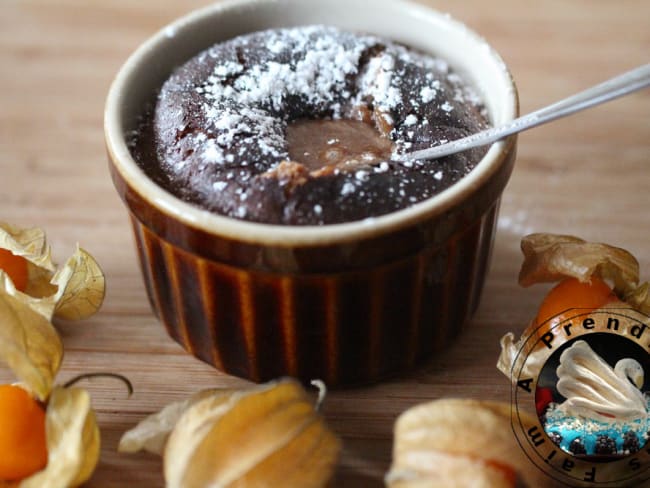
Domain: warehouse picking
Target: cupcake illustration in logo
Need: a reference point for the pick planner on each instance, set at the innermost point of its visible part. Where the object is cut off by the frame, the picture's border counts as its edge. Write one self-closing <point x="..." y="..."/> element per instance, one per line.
<point x="597" y="409"/>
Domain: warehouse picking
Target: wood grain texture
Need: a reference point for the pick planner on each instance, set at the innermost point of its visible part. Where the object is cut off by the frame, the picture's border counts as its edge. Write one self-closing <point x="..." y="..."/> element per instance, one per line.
<point x="588" y="175"/>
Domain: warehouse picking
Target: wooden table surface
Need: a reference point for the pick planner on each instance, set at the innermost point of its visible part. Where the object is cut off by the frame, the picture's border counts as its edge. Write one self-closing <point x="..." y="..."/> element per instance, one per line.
<point x="588" y="175"/>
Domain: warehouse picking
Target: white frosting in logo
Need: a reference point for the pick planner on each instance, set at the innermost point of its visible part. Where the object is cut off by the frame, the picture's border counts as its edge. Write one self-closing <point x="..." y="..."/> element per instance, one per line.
<point x="594" y="389"/>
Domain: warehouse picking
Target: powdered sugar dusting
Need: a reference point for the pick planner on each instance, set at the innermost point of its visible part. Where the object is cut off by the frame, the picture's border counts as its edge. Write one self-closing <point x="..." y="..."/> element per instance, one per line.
<point x="378" y="82"/>
<point x="321" y="71"/>
<point x="428" y="93"/>
<point x="410" y="120"/>
<point x="250" y="88"/>
<point x="347" y="188"/>
<point x="244" y="96"/>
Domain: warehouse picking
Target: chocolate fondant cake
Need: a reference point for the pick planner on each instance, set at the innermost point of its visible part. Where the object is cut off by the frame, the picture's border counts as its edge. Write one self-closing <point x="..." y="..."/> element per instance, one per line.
<point x="301" y="126"/>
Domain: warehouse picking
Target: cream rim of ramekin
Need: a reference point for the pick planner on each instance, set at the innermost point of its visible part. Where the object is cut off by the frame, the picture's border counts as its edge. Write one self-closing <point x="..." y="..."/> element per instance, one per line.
<point x="498" y="92"/>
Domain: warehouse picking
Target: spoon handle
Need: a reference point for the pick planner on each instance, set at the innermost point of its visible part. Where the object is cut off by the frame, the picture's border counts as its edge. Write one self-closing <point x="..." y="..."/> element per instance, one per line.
<point x="616" y="87"/>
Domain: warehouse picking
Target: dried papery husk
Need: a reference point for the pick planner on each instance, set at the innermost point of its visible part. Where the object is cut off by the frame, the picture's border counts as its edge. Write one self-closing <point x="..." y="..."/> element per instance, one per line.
<point x="514" y="354"/>
<point x="516" y="359"/>
<point x="80" y="287"/>
<point x="32" y="348"/>
<point x="551" y="257"/>
<point x="458" y="443"/>
<point x="151" y="434"/>
<point x="29" y="344"/>
<point x="73" y="291"/>
<point x="268" y="435"/>
<point x="31" y="244"/>
<point x="639" y="298"/>
<point x="78" y="290"/>
<point x="73" y="441"/>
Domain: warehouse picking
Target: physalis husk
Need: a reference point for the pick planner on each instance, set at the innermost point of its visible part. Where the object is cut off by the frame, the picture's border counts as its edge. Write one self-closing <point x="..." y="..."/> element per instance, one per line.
<point x="266" y="435"/>
<point x="32" y="348"/>
<point x="457" y="443"/>
<point x="550" y="258"/>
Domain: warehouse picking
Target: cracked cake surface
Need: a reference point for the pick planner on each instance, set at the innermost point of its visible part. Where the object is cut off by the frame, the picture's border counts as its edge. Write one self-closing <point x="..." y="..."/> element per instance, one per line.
<point x="302" y="126"/>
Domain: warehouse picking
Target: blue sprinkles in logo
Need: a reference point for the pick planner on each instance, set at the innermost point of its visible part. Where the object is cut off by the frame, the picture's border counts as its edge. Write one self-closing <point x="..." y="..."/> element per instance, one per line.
<point x="588" y="436"/>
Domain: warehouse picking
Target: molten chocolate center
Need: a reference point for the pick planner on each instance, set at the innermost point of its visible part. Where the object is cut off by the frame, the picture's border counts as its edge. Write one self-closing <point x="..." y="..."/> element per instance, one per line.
<point x="321" y="144"/>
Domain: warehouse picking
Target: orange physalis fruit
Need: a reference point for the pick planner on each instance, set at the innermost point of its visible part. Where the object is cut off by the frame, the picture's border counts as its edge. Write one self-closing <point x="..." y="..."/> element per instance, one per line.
<point x="16" y="267"/>
<point x="23" y="448"/>
<point x="572" y="293"/>
<point x="507" y="472"/>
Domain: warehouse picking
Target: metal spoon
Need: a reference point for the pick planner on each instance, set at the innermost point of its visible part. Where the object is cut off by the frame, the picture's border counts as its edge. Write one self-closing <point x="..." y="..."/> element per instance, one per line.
<point x="618" y="86"/>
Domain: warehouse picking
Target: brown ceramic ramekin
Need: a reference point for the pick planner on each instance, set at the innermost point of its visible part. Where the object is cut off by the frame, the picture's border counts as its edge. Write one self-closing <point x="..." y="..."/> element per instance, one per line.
<point x="348" y="303"/>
